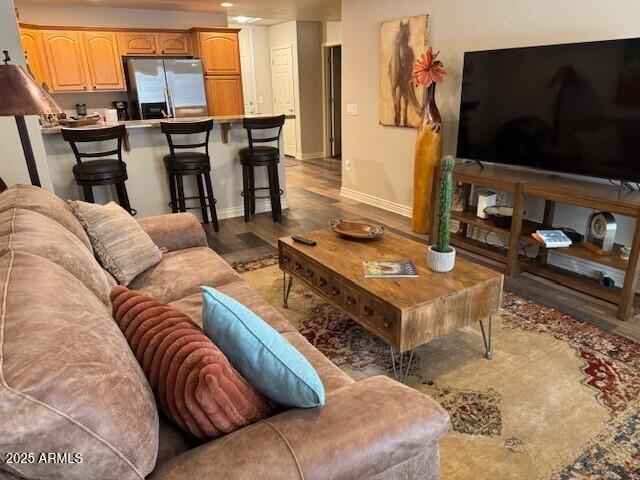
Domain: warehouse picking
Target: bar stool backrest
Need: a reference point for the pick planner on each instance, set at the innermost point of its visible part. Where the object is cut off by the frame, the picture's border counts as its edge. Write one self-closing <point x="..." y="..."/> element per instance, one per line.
<point x="102" y="134"/>
<point x="187" y="128"/>
<point x="263" y="123"/>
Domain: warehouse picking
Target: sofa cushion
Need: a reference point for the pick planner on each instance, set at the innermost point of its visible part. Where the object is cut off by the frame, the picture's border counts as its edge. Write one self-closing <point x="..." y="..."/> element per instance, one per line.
<point x="68" y="380"/>
<point x="122" y="246"/>
<point x="38" y="200"/>
<point x="240" y="291"/>
<point x="272" y="365"/>
<point x="31" y="232"/>
<point x="196" y="386"/>
<point x="181" y="273"/>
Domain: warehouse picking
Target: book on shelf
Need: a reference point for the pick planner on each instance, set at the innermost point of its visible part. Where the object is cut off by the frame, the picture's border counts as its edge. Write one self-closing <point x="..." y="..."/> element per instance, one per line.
<point x="389" y="269"/>
<point x="552" y="238"/>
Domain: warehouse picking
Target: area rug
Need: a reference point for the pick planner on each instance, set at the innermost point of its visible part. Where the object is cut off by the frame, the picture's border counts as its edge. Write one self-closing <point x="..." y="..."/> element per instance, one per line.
<point x="559" y="400"/>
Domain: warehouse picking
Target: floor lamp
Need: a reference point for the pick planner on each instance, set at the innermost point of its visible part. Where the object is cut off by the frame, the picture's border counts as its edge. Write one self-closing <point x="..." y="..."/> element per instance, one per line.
<point x="20" y="95"/>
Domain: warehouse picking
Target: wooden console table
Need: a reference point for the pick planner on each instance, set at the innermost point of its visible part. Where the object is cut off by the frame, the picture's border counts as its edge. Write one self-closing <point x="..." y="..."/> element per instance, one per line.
<point x="553" y="189"/>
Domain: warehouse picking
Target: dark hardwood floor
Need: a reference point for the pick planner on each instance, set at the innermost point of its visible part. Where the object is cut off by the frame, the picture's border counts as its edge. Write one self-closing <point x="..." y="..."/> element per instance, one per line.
<point x="313" y="188"/>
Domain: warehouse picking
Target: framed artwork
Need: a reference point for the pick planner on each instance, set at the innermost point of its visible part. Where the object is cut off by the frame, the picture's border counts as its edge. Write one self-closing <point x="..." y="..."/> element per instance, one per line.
<point x="402" y="41"/>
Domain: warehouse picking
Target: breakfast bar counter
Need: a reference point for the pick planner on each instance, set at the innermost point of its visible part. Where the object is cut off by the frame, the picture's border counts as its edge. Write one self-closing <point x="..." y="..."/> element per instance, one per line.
<point x="147" y="183"/>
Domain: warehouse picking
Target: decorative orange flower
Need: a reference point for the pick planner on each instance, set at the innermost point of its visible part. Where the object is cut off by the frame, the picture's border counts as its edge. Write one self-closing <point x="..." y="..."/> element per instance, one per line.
<point x="427" y="69"/>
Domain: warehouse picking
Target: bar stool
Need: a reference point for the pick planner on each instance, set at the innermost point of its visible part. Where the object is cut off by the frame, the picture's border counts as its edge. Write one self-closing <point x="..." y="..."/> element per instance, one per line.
<point x="104" y="171"/>
<point x="261" y="156"/>
<point x="179" y="164"/>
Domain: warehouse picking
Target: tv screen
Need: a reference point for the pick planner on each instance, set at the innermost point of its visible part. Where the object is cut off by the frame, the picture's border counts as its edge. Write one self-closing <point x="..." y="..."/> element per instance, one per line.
<point x="571" y="108"/>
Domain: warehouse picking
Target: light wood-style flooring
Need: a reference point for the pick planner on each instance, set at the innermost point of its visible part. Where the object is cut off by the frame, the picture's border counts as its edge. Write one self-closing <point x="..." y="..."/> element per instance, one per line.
<point x="313" y="188"/>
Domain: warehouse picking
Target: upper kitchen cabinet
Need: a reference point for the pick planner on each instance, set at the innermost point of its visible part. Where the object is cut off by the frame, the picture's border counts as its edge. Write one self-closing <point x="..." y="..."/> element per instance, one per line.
<point x="104" y="61"/>
<point x="65" y="60"/>
<point x="33" y="51"/>
<point x="138" y="43"/>
<point x="174" y="43"/>
<point x="219" y="51"/>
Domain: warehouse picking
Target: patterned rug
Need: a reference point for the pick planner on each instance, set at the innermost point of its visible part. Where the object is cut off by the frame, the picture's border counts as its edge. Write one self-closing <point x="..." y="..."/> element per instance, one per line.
<point x="559" y="400"/>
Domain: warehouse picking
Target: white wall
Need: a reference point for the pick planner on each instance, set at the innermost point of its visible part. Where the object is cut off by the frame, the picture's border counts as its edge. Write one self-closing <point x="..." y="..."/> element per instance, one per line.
<point x="331" y="32"/>
<point x="13" y="168"/>
<point x="382" y="157"/>
<point x="77" y="15"/>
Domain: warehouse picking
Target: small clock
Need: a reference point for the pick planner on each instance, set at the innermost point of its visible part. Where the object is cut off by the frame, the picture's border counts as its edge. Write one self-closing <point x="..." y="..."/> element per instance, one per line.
<point x="601" y="230"/>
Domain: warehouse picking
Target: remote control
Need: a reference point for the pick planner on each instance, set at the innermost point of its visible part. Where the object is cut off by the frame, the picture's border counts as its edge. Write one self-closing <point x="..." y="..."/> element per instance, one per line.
<point x="306" y="241"/>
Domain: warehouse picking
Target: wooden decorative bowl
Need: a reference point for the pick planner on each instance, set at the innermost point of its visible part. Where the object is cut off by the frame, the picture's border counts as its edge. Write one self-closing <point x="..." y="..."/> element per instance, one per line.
<point x="82" y="122"/>
<point x="357" y="229"/>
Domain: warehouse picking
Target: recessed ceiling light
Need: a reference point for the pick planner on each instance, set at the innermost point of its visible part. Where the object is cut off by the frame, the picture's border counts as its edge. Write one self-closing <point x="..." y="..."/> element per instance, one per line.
<point x="226" y="4"/>
<point x="242" y="19"/>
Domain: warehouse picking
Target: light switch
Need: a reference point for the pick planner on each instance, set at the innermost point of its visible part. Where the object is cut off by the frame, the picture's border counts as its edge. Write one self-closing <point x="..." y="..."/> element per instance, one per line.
<point x="260" y="99"/>
<point x="352" y="109"/>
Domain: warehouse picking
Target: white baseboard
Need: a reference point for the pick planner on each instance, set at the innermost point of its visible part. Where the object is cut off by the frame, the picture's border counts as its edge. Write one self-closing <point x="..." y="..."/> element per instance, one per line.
<point x="238" y="210"/>
<point x="308" y="156"/>
<point x="377" y="202"/>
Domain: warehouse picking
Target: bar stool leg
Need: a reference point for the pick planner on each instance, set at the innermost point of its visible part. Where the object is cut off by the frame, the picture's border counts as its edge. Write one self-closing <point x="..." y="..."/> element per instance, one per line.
<point x="273" y="192"/>
<point x="181" y="199"/>
<point x="245" y="192"/>
<point x="252" y="189"/>
<point x="212" y="201"/>
<point x="172" y="192"/>
<point x="203" y="200"/>
<point x="88" y="193"/>
<point x="276" y="178"/>
<point x="123" y="198"/>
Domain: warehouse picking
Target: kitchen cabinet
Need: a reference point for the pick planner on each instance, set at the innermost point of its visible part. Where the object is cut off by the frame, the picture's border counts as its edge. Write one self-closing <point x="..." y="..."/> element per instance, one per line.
<point x="103" y="61"/>
<point x="220" y="52"/>
<point x="65" y="60"/>
<point x="224" y="95"/>
<point x="174" y="43"/>
<point x="138" y="43"/>
<point x="33" y="51"/>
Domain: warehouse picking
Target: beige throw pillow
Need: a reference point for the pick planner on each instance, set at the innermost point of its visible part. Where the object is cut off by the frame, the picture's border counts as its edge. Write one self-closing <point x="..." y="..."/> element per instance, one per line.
<point x="123" y="248"/>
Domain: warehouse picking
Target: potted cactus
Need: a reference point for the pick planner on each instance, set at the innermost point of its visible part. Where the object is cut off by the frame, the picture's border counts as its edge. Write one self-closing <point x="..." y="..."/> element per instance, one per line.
<point x="441" y="257"/>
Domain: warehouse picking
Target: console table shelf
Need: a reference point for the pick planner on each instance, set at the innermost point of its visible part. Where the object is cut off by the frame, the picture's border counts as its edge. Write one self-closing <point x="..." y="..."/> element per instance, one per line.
<point x="552" y="189"/>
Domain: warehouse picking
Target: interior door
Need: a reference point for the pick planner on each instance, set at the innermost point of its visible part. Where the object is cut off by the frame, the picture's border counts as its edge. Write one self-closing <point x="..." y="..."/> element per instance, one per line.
<point x="248" y="71"/>
<point x="283" y="94"/>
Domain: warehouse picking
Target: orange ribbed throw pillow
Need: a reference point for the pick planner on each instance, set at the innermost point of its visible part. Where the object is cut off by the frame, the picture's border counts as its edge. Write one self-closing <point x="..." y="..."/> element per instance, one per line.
<point x="194" y="383"/>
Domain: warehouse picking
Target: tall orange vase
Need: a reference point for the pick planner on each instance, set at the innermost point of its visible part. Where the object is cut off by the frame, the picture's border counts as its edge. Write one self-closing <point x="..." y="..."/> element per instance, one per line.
<point x="427" y="155"/>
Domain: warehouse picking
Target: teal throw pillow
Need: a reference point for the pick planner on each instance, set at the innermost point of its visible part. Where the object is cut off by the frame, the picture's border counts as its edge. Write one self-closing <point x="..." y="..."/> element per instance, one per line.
<point x="264" y="357"/>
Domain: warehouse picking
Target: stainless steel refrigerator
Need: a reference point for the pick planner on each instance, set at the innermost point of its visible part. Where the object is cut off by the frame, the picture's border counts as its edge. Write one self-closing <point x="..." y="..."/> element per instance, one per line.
<point x="164" y="88"/>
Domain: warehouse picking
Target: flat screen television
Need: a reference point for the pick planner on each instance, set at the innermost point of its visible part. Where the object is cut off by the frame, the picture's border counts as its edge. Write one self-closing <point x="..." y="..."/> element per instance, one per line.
<point x="571" y="108"/>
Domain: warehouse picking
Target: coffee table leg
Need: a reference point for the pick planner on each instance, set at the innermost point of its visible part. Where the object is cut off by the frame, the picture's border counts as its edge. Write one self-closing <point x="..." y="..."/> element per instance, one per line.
<point x="486" y="339"/>
<point x="400" y="369"/>
<point x="286" y="289"/>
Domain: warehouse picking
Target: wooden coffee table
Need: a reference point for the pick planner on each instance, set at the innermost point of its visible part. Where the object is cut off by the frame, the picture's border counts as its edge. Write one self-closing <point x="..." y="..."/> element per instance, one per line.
<point x="402" y="312"/>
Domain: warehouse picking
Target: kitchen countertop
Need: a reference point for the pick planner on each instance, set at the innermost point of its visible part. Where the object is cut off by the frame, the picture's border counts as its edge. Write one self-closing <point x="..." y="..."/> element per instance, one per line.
<point x="155" y="123"/>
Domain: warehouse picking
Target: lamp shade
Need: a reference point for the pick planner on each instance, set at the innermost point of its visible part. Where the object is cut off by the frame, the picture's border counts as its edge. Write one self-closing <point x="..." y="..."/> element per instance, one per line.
<point x="21" y="95"/>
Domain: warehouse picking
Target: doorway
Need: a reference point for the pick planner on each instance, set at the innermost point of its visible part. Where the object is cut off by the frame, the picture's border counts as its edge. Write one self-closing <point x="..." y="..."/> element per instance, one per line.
<point x="333" y="95"/>
<point x="283" y="95"/>
<point x="248" y="71"/>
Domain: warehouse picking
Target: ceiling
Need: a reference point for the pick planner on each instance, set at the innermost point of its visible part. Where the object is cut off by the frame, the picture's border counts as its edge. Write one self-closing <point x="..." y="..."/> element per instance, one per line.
<point x="318" y="10"/>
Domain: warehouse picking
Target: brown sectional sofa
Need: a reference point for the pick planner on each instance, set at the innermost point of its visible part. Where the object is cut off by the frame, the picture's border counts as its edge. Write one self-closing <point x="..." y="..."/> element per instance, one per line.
<point x="70" y="384"/>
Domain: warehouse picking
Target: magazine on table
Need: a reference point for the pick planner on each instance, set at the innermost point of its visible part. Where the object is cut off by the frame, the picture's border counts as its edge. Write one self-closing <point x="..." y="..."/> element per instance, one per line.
<point x="389" y="269"/>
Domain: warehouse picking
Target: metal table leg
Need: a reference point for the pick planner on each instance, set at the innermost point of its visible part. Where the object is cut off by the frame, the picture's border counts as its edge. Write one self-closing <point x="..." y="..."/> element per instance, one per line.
<point x="486" y="339"/>
<point x="400" y="369"/>
<point x="286" y="289"/>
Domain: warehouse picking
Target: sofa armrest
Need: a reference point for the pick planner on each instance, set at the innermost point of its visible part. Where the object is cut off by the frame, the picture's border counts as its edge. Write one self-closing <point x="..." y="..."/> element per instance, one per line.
<point x="174" y="231"/>
<point x="364" y="428"/>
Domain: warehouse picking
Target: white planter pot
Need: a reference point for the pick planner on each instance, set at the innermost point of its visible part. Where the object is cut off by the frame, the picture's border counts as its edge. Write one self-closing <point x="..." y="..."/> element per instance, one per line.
<point x="441" y="262"/>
